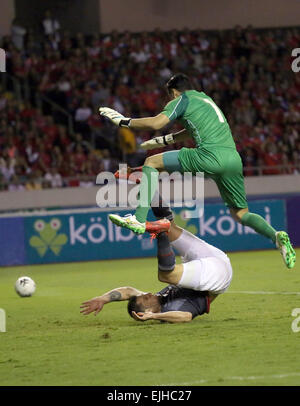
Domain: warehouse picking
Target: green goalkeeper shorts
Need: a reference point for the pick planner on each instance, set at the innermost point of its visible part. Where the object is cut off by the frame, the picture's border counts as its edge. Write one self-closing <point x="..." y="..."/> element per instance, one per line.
<point x="223" y="165"/>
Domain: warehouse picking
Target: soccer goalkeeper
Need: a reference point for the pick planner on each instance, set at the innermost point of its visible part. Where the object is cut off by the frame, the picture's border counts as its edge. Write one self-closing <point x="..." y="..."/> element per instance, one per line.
<point x="215" y="155"/>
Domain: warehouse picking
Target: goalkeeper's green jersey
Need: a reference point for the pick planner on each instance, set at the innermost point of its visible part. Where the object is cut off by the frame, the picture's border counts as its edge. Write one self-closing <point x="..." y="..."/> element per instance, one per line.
<point x="202" y="118"/>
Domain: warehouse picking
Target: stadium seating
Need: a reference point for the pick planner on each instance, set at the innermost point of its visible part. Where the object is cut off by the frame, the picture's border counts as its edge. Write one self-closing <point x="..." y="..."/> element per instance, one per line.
<point x="246" y="71"/>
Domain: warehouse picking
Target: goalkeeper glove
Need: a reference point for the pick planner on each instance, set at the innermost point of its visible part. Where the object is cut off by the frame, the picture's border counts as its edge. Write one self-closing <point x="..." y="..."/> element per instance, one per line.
<point x="158" y="142"/>
<point x="115" y="117"/>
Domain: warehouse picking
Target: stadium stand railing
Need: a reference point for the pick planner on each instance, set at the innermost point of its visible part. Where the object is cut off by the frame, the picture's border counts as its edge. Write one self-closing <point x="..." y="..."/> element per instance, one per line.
<point x="42" y="100"/>
<point x="88" y="180"/>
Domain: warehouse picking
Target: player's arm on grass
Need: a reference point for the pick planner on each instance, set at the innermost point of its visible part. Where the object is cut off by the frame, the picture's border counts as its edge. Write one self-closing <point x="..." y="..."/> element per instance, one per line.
<point x="96" y="304"/>
<point x="171" y="317"/>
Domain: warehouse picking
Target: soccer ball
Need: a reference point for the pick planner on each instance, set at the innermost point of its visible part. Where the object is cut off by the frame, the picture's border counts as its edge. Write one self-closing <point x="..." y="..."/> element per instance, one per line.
<point x="25" y="286"/>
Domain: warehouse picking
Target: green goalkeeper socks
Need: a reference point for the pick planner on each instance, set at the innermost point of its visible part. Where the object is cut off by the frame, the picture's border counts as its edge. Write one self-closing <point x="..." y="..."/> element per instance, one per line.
<point x="260" y="225"/>
<point x="149" y="183"/>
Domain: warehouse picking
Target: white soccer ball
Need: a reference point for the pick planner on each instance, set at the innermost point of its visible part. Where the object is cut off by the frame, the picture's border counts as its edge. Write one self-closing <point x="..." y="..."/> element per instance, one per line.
<point x="25" y="286"/>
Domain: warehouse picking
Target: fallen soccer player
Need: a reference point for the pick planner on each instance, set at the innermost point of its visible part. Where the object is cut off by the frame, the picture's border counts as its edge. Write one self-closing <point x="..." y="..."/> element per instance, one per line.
<point x="205" y="273"/>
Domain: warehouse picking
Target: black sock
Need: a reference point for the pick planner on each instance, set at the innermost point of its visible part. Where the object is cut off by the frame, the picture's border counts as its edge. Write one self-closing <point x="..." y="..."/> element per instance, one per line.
<point x="165" y="254"/>
<point x="160" y="208"/>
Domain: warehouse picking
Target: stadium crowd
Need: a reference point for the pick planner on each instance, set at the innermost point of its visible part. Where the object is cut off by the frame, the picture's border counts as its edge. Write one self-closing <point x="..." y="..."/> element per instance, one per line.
<point x="246" y="71"/>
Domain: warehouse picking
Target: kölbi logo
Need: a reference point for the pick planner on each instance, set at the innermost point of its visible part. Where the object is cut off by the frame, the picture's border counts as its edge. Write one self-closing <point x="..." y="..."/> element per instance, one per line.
<point x="2" y="60"/>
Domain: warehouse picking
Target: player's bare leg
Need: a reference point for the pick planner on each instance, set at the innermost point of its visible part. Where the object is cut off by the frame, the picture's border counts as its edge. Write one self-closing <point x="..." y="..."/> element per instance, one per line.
<point x="174" y="232"/>
<point x="259" y="224"/>
<point x="171" y="277"/>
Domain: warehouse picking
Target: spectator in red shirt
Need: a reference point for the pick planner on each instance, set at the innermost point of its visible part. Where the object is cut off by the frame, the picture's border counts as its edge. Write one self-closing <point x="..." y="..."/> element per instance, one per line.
<point x="51" y="130"/>
<point x="271" y="158"/>
<point x="79" y="158"/>
<point x="44" y="158"/>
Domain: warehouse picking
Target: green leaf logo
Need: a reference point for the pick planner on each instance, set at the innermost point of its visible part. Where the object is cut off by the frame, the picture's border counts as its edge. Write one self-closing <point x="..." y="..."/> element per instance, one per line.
<point x="48" y="237"/>
<point x="183" y="223"/>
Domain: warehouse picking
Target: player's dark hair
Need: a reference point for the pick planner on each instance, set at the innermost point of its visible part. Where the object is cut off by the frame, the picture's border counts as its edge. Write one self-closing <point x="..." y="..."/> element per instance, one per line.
<point x="134" y="307"/>
<point x="180" y="82"/>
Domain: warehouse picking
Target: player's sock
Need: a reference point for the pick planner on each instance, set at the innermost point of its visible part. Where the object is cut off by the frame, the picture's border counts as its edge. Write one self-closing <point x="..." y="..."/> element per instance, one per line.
<point x="165" y="254"/>
<point x="260" y="225"/>
<point x="160" y="208"/>
<point x="162" y="213"/>
<point x="148" y="187"/>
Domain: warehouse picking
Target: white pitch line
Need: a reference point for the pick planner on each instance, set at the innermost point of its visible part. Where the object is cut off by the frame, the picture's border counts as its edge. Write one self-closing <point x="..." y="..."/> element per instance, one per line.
<point x="261" y="292"/>
<point x="234" y="378"/>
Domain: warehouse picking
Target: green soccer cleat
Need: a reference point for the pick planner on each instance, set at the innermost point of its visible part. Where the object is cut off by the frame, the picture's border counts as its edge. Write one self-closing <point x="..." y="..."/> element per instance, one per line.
<point x="128" y="221"/>
<point x="286" y="249"/>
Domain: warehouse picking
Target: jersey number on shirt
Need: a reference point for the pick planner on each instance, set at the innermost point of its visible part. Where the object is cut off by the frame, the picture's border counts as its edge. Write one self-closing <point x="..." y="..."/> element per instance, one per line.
<point x="216" y="108"/>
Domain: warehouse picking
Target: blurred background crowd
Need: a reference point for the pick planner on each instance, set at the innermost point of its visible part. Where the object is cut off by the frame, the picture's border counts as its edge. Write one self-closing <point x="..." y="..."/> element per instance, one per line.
<point x="51" y="134"/>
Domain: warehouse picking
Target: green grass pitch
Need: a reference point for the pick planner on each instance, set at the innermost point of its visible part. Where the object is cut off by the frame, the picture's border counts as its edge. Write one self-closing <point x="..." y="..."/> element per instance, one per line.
<point x="246" y="339"/>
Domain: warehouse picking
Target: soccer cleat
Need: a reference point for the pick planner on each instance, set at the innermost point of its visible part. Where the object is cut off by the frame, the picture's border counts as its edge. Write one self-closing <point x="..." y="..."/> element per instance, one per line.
<point x="128" y="221"/>
<point x="156" y="227"/>
<point x="286" y="249"/>
<point x="135" y="177"/>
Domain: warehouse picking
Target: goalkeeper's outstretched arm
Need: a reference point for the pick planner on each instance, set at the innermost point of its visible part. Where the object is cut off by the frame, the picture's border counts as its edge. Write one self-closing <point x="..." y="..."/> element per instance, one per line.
<point x="149" y="123"/>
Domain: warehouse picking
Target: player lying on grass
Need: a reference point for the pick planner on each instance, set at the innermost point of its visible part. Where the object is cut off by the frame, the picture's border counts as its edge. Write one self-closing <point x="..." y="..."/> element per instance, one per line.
<point x="215" y="155"/>
<point x="205" y="272"/>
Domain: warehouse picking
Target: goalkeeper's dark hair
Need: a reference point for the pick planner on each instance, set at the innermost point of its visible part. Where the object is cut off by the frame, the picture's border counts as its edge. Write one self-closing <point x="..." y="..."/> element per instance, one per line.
<point x="180" y="82"/>
<point x="134" y="307"/>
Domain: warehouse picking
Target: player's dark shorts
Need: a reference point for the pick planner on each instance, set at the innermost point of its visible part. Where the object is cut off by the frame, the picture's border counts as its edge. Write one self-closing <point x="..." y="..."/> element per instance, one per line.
<point x="224" y="166"/>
